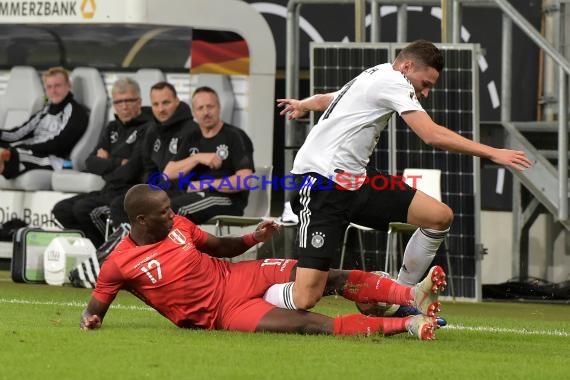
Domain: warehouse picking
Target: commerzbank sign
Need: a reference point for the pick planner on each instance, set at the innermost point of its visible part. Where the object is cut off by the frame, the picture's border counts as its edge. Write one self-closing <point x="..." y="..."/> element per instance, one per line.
<point x="66" y="8"/>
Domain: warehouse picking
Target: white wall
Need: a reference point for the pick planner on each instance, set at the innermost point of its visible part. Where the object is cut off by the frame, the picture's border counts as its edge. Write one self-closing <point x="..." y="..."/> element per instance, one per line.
<point x="496" y="236"/>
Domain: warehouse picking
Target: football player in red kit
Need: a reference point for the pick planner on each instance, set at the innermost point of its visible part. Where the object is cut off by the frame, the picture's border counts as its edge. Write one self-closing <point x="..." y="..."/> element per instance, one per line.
<point x="175" y="267"/>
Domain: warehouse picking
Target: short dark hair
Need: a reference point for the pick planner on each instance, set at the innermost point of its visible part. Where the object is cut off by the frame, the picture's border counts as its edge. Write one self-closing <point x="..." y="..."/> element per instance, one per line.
<point x="425" y="52"/>
<point x="137" y="200"/>
<point x="162" y="86"/>
<point x="205" y="89"/>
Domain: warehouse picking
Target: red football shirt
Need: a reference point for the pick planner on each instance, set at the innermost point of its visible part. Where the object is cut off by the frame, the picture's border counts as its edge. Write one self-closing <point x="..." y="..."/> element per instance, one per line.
<point x="172" y="276"/>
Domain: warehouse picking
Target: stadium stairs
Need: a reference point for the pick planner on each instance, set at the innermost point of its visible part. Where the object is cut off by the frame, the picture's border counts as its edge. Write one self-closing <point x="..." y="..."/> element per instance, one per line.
<point x="537" y="189"/>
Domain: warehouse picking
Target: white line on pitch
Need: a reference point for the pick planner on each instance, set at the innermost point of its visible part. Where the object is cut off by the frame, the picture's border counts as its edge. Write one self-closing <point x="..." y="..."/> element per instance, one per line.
<point x="70" y="304"/>
<point x="505" y="330"/>
<point x="489" y="329"/>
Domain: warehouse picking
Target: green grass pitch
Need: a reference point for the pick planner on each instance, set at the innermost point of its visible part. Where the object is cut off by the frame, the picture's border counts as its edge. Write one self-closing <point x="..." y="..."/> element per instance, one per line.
<point x="40" y="339"/>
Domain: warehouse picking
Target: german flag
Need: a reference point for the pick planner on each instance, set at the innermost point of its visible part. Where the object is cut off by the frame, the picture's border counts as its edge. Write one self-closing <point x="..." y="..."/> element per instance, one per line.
<point x="219" y="53"/>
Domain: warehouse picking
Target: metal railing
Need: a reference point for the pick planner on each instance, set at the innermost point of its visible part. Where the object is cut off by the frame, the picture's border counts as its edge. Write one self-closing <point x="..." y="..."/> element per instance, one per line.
<point x="451" y="18"/>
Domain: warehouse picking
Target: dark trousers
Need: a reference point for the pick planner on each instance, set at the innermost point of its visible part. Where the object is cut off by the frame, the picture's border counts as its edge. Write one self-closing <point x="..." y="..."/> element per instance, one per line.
<point x="78" y="212"/>
<point x="23" y="160"/>
<point x="194" y="207"/>
<point x="199" y="209"/>
<point x="118" y="214"/>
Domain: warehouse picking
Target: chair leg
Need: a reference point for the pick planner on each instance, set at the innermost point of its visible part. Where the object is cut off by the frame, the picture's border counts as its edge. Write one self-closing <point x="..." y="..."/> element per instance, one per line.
<point x="449" y="271"/>
<point x="394" y="254"/>
<point x="399" y="256"/>
<point x="107" y="227"/>
<point x="343" y="250"/>
<point x="361" y="246"/>
<point x="388" y="250"/>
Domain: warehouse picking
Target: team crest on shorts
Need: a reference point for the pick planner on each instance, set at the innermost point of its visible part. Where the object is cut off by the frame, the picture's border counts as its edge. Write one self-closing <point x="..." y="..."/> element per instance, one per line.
<point x="222" y="151"/>
<point x="318" y="239"/>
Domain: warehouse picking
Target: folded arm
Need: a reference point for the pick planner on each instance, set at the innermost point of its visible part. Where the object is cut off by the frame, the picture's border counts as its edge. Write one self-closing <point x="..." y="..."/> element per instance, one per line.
<point x="185" y="165"/>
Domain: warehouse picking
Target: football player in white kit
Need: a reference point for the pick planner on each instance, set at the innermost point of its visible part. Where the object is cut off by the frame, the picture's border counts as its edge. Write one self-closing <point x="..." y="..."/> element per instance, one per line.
<point x="334" y="160"/>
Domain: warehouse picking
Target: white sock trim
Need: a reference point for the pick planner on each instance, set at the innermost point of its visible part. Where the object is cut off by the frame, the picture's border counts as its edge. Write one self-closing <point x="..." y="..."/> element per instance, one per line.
<point x="281" y="295"/>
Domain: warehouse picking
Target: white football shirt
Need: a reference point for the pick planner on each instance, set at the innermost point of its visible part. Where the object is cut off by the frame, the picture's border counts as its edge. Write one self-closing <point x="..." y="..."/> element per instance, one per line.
<point x="349" y="129"/>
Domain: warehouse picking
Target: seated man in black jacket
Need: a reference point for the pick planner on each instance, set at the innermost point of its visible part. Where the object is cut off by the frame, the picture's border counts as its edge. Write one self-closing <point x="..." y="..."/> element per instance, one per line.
<point x="110" y="159"/>
<point x="172" y="125"/>
<point x="47" y="138"/>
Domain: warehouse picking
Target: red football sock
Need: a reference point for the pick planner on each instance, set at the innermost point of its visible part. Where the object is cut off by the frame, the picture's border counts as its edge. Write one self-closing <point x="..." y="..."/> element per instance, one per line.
<point x="394" y="325"/>
<point x="369" y="287"/>
<point x="359" y="324"/>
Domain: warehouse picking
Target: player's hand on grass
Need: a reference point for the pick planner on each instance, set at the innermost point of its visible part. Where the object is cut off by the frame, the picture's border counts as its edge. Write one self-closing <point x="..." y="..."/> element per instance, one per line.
<point x="90" y="322"/>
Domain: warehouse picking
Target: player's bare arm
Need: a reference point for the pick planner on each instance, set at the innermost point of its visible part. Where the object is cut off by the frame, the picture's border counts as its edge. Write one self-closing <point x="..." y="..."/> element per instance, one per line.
<point x="93" y="315"/>
<point x="295" y="109"/>
<point x="185" y="165"/>
<point x="443" y="138"/>
<point x="232" y="246"/>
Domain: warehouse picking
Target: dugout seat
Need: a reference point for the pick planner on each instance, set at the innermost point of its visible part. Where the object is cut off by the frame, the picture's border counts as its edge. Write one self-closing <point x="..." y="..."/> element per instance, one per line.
<point x="23" y="97"/>
<point x="78" y="182"/>
<point x="88" y="89"/>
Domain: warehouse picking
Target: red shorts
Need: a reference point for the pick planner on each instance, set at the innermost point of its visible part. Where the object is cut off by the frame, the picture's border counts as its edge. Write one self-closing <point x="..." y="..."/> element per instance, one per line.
<point x="243" y="305"/>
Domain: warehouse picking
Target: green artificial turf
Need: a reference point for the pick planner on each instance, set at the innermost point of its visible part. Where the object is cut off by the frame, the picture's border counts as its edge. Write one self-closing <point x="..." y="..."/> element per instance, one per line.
<point x="40" y="339"/>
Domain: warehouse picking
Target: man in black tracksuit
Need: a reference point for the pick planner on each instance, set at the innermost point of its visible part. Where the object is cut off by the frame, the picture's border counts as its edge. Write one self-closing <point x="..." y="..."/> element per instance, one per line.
<point x="173" y="124"/>
<point x="111" y="159"/>
<point x="47" y="138"/>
